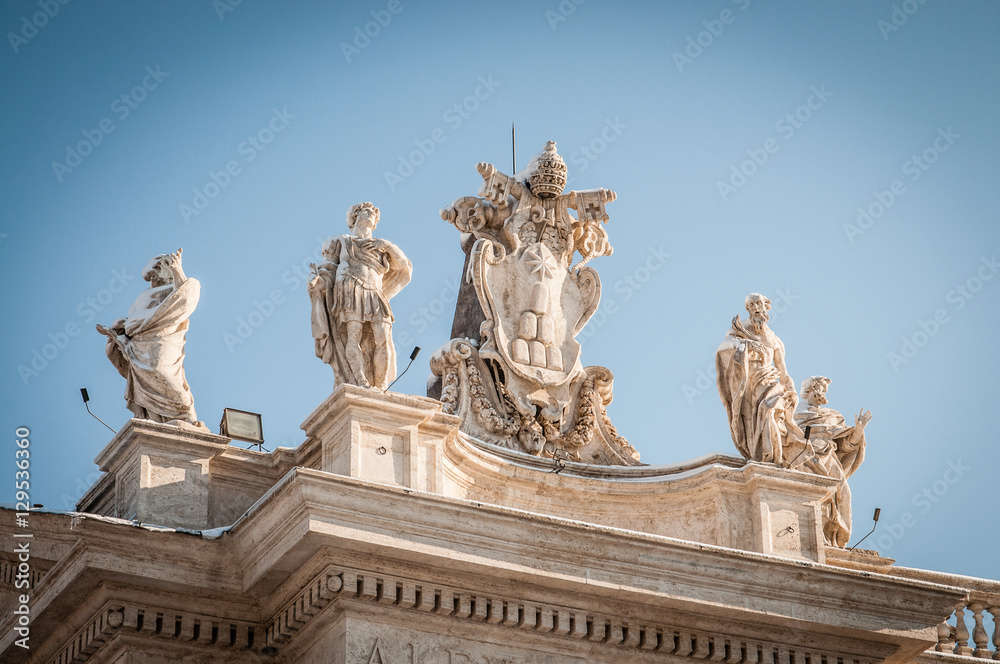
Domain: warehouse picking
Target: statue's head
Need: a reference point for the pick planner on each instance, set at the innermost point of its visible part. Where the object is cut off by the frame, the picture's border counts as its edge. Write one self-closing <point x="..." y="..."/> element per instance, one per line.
<point x="547" y="172"/>
<point x="758" y="307"/>
<point x="814" y="390"/>
<point x="366" y="213"/>
<point x="157" y="272"/>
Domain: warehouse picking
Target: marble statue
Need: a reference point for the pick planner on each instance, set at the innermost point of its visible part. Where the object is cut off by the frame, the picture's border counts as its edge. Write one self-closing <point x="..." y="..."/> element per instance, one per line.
<point x="350" y="293"/>
<point x="147" y="346"/>
<point x="756" y="390"/>
<point x="518" y="381"/>
<point x="832" y="449"/>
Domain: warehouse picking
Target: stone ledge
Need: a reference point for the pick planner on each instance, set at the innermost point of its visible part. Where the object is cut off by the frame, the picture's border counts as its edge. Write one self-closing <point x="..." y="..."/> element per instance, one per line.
<point x="184" y="438"/>
<point x="716" y="499"/>
<point x="316" y="512"/>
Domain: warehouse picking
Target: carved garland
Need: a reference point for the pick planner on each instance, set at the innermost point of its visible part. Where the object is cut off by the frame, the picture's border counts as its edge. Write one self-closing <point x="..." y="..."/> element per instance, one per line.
<point x="527" y="430"/>
<point x="583" y="429"/>
<point x="486" y="415"/>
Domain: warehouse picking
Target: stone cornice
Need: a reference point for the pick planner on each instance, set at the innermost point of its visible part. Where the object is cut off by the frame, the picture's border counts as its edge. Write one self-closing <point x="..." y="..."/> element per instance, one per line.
<point x="401" y="408"/>
<point x="315" y="510"/>
<point x="469" y="561"/>
<point x="191" y="437"/>
<point x="543" y="618"/>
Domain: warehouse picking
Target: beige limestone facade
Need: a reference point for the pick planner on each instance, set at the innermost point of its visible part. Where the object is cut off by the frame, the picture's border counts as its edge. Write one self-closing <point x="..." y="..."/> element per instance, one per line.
<point x="389" y="536"/>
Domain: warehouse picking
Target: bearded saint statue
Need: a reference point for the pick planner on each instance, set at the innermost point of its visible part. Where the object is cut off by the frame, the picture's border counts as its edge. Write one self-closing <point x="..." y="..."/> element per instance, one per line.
<point x="147" y="346"/>
<point x="756" y="390"/>
<point x="832" y="449"/>
<point x="350" y="293"/>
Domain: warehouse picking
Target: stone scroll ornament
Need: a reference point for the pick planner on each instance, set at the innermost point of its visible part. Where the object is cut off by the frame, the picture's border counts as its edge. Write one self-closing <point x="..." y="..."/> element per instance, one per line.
<point x="147" y="346"/>
<point x="755" y="388"/>
<point x="517" y="381"/>
<point x="350" y="293"/>
<point x="833" y="449"/>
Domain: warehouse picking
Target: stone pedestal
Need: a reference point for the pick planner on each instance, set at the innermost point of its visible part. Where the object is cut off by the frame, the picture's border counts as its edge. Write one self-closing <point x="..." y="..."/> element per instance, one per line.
<point x="158" y="473"/>
<point x="381" y="437"/>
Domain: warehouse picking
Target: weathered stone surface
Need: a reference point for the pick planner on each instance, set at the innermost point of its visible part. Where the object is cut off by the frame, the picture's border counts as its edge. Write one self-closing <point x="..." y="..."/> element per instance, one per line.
<point x="350" y="293"/>
<point x="176" y="477"/>
<point x="333" y="568"/>
<point x="383" y="437"/>
<point x="518" y="381"/>
<point x="165" y="476"/>
<point x="756" y="390"/>
<point x="147" y="346"/>
<point x="831" y="448"/>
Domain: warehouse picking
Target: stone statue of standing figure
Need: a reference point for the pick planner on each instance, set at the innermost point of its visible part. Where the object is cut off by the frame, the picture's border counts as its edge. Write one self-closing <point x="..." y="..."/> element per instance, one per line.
<point x="833" y="449"/>
<point x="147" y="346"/>
<point x="350" y="293"/>
<point x="756" y="390"/>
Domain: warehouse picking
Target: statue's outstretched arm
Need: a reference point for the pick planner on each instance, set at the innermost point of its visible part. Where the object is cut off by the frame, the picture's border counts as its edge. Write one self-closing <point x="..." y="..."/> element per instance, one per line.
<point x="861" y="420"/>
<point x="174" y="263"/>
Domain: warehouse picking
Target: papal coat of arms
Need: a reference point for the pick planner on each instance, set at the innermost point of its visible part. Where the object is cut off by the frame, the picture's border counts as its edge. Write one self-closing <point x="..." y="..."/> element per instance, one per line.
<point x="521" y="384"/>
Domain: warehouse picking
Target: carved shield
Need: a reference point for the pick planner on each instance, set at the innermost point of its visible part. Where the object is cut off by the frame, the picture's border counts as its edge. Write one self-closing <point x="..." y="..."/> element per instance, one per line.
<point x="534" y="309"/>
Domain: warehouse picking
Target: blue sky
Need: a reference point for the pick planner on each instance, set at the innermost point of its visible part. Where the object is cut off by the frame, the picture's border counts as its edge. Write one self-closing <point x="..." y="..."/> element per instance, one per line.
<point x="838" y="157"/>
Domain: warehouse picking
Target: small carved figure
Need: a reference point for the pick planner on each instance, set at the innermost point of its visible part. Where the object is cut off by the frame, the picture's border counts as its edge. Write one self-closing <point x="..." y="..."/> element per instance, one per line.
<point x="756" y="390"/>
<point x="147" y="346"/>
<point x="833" y="449"/>
<point x="350" y="293"/>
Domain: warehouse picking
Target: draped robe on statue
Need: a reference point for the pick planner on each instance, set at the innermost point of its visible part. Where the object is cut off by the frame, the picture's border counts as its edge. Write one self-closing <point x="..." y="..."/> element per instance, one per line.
<point x="356" y="285"/>
<point x="836" y="454"/>
<point x="150" y="353"/>
<point x="751" y="391"/>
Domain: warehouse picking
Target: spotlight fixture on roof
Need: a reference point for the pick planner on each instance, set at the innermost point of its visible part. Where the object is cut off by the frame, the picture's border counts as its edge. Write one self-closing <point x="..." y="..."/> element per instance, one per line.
<point x="243" y="425"/>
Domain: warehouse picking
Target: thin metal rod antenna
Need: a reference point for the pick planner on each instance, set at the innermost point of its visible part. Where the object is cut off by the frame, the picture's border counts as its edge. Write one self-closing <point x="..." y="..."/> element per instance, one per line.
<point x="513" y="150"/>
<point x="413" y="356"/>
<point x="878" y="512"/>
<point x="86" y="402"/>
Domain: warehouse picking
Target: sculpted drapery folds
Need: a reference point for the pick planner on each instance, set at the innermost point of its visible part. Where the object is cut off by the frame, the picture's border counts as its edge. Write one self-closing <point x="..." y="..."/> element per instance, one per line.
<point x="147" y="346"/>
<point x="756" y="390"/>
<point x="350" y="293"/>
<point x="518" y="381"/>
<point x="833" y="449"/>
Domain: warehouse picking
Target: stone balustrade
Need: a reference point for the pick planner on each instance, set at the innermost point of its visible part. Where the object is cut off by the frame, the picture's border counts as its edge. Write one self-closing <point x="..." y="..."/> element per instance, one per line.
<point x="971" y="631"/>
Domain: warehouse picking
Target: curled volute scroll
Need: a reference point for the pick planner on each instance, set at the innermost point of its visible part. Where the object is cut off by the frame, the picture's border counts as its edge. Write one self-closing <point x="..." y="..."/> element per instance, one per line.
<point x="518" y="380"/>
